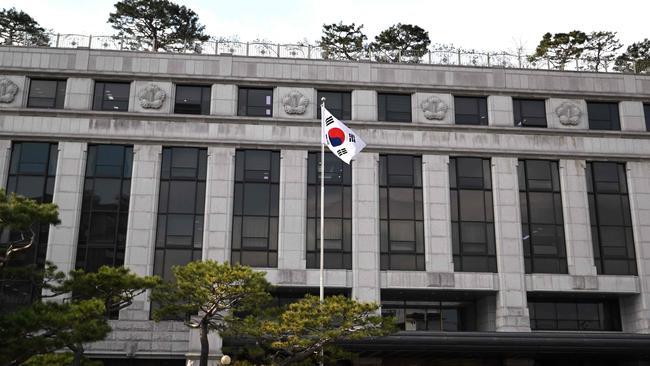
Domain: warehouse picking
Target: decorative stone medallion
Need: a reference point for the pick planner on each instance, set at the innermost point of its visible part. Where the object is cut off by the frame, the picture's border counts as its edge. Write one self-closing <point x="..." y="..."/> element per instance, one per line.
<point x="569" y="114"/>
<point x="8" y="90"/>
<point x="295" y="103"/>
<point x="151" y="97"/>
<point x="434" y="108"/>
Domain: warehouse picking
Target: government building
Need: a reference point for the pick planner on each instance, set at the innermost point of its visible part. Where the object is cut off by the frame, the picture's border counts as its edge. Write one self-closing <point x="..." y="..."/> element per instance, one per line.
<point x="502" y="215"/>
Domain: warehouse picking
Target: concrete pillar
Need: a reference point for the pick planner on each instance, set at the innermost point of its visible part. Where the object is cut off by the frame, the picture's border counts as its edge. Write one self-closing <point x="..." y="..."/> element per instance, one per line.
<point x="575" y="209"/>
<point x="223" y="100"/>
<point x="68" y="193"/>
<point x="79" y="93"/>
<point x="437" y="109"/>
<point x="141" y="225"/>
<point x="293" y="210"/>
<point x="631" y="114"/>
<point x="500" y="112"/>
<point x="437" y="214"/>
<point x="5" y="157"/>
<point x="366" y="285"/>
<point x="511" y="305"/>
<point x="636" y="309"/>
<point x="219" y="203"/>
<point x="364" y="105"/>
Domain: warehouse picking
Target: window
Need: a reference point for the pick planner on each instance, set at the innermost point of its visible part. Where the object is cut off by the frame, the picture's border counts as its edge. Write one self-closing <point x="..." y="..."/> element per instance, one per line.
<point x="255" y="216"/>
<point x="472" y="215"/>
<point x="400" y="213"/>
<point x="338" y="213"/>
<point x="646" y="113"/>
<point x="255" y="102"/>
<point x="571" y="315"/>
<point x="181" y="207"/>
<point x="32" y="170"/>
<point x="46" y="93"/>
<point x="394" y="107"/>
<point x="417" y="311"/>
<point x="611" y="224"/>
<point x="542" y="223"/>
<point x="529" y="112"/>
<point x="471" y="111"/>
<point x="338" y="103"/>
<point x="111" y="96"/>
<point x="192" y="99"/>
<point x="105" y="207"/>
<point x="603" y="116"/>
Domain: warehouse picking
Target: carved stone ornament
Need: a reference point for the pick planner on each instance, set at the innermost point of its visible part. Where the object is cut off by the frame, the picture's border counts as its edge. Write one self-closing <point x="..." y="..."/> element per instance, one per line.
<point x="295" y="103"/>
<point x="8" y="90"/>
<point x="569" y="114"/>
<point x="151" y="97"/>
<point x="434" y="108"/>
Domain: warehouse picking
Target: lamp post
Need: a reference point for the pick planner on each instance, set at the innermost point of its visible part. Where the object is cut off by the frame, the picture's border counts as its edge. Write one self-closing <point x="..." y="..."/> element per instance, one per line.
<point x="225" y="360"/>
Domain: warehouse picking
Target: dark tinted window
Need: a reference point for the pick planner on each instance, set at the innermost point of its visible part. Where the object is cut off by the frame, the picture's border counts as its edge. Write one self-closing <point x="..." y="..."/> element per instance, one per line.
<point x="105" y="207"/>
<point x="255" y="102"/>
<point x="401" y="212"/>
<point x="570" y="315"/>
<point x="472" y="215"/>
<point x="255" y="216"/>
<point x="338" y="212"/>
<point x="529" y="112"/>
<point x="603" y="116"/>
<point x="32" y="171"/>
<point x="192" y="99"/>
<point x="338" y="103"/>
<point x="421" y="311"/>
<point x="394" y="107"/>
<point x="181" y="207"/>
<point x="542" y="223"/>
<point x="471" y="111"/>
<point x="46" y="93"/>
<point x="611" y="223"/>
<point x="111" y="96"/>
<point x="646" y="113"/>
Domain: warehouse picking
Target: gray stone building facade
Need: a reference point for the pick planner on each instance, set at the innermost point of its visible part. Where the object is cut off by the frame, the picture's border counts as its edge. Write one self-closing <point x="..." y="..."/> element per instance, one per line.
<point x="502" y="215"/>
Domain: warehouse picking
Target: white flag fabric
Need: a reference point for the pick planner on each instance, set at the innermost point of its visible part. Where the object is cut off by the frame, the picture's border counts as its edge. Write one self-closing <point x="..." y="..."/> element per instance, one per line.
<point x="341" y="140"/>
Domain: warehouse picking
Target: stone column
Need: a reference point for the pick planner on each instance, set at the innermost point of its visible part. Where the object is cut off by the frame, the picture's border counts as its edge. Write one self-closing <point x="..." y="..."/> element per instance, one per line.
<point x="511" y="307"/>
<point x="631" y="114"/>
<point x="293" y="210"/>
<point x="219" y="203"/>
<point x="68" y="193"/>
<point x="635" y="310"/>
<point x="141" y="225"/>
<point x="364" y="105"/>
<point x="5" y="157"/>
<point x="437" y="214"/>
<point x="575" y="209"/>
<point x="366" y="285"/>
<point x="223" y="100"/>
<point x="500" y="112"/>
<point x="79" y="93"/>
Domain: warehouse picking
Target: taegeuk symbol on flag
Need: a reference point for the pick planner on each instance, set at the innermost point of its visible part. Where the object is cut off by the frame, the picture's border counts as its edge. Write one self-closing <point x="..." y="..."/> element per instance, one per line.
<point x="341" y="140"/>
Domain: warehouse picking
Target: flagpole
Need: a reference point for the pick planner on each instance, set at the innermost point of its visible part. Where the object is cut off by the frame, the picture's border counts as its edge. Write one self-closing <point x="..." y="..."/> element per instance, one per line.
<point x="322" y="204"/>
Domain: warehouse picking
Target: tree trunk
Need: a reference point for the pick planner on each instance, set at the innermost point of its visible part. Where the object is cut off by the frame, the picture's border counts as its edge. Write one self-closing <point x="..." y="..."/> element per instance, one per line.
<point x="78" y="354"/>
<point x="205" y="344"/>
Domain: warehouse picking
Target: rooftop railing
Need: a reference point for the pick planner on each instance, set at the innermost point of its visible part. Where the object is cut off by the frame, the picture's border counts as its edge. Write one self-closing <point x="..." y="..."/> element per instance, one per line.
<point x="447" y="56"/>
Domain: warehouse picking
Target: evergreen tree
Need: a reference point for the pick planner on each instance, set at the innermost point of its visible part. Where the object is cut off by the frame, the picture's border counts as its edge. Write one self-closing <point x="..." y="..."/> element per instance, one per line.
<point x="157" y="25"/>
<point x="342" y="41"/>
<point x="636" y="58"/>
<point x="560" y="48"/>
<point x="18" y="28"/>
<point x="401" y="43"/>
<point x="600" y="49"/>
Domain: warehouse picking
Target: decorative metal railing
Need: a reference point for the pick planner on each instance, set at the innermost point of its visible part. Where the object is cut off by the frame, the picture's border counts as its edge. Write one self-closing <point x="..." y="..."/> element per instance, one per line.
<point x="454" y="57"/>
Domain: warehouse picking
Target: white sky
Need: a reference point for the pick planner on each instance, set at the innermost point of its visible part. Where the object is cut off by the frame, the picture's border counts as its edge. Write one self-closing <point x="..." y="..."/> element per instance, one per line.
<point x="471" y="24"/>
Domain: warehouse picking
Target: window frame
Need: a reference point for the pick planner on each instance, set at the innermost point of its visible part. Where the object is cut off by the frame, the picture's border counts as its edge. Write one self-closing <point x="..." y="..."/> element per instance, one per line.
<point x="614" y="121"/>
<point x="203" y="106"/>
<point x="481" y="102"/>
<point x="98" y="105"/>
<point x="385" y="115"/>
<point x="345" y="101"/>
<point x="646" y="115"/>
<point x="58" y="100"/>
<point x="519" y="116"/>
<point x="609" y="315"/>
<point x="243" y="106"/>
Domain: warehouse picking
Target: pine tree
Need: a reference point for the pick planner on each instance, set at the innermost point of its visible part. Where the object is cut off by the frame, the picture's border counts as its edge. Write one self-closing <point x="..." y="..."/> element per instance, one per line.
<point x="600" y="49"/>
<point x="636" y="58"/>
<point x="18" y="28"/>
<point x="342" y="41"/>
<point x="401" y="43"/>
<point x="560" y="48"/>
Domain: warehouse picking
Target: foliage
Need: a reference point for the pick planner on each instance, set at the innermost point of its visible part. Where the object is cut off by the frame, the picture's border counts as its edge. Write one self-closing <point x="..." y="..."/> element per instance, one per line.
<point x="58" y="359"/>
<point x="401" y="42"/>
<point x="636" y="58"/>
<point x="306" y="326"/>
<point x="45" y="327"/>
<point x="600" y="49"/>
<point x="20" y="215"/>
<point x="157" y="25"/>
<point x="211" y="290"/>
<point x="18" y="28"/>
<point x="559" y="48"/>
<point x="342" y="41"/>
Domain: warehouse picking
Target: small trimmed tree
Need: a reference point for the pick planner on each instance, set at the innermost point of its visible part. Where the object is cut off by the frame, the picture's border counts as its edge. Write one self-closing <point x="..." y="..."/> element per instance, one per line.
<point x="18" y="28"/>
<point x="636" y="58"/>
<point x="600" y="49"/>
<point x="342" y="41"/>
<point x="560" y="48"/>
<point x="157" y="25"/>
<point x="401" y="42"/>
<point x="212" y="292"/>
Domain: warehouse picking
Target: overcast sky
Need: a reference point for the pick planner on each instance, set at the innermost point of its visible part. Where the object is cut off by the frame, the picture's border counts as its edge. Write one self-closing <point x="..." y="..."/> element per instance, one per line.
<point x="481" y="25"/>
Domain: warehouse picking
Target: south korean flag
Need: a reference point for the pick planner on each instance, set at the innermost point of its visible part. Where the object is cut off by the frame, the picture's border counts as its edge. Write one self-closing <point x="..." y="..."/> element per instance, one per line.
<point x="341" y="140"/>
